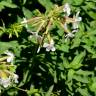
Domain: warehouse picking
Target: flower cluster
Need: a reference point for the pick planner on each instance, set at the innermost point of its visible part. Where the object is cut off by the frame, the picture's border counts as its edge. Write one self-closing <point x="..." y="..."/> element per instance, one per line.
<point x="7" y="76"/>
<point x="42" y="24"/>
<point x="7" y="81"/>
<point x="75" y="21"/>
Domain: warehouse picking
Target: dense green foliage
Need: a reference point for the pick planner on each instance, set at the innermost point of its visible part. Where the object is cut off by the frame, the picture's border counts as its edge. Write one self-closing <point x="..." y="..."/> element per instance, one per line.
<point x="70" y="70"/>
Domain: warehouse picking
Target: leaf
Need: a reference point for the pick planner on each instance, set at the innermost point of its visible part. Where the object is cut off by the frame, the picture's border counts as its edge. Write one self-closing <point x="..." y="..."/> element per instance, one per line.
<point x="70" y="74"/>
<point x="87" y="41"/>
<point x="93" y="87"/>
<point x="80" y="78"/>
<point x="1" y="7"/>
<point x="27" y="13"/>
<point x="10" y="45"/>
<point x="69" y="84"/>
<point x="92" y="14"/>
<point x="76" y="43"/>
<point x="4" y="46"/>
<point x="77" y="2"/>
<point x="89" y="49"/>
<point x="7" y="4"/>
<point x="60" y="32"/>
<point x="32" y="91"/>
<point x="63" y="47"/>
<point x="24" y="2"/>
<point x="93" y="24"/>
<point x="55" y="77"/>
<point x="63" y="76"/>
<point x="65" y="63"/>
<point x="48" y="93"/>
<point x="84" y="73"/>
<point x="76" y="63"/>
<point x="47" y="4"/>
<point x="83" y="92"/>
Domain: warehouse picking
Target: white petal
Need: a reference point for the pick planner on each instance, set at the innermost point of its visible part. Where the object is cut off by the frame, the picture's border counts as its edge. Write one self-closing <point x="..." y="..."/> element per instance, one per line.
<point x="9" y="59"/>
<point x="69" y="35"/>
<point x="47" y="49"/>
<point x="79" y="18"/>
<point x="67" y="9"/>
<point x="5" y="82"/>
<point x="53" y="49"/>
<point x="75" y="30"/>
<point x="38" y="49"/>
<point x="16" y="78"/>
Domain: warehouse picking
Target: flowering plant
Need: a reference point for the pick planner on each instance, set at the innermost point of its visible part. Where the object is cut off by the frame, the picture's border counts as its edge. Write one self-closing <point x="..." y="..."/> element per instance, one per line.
<point x="47" y="48"/>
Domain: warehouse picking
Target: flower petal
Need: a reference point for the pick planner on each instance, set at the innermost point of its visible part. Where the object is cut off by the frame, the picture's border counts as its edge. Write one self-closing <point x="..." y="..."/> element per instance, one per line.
<point x="53" y="49"/>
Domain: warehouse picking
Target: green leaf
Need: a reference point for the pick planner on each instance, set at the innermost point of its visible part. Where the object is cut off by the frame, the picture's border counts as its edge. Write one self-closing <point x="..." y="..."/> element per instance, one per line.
<point x="93" y="87"/>
<point x="76" y="63"/>
<point x="77" y="2"/>
<point x="7" y="4"/>
<point x="47" y="4"/>
<point x="83" y="92"/>
<point x="63" y="47"/>
<point x="10" y="45"/>
<point x="1" y="7"/>
<point x="49" y="92"/>
<point x="84" y="73"/>
<point x="65" y="63"/>
<point x="69" y="84"/>
<point x="4" y="46"/>
<point x="32" y="91"/>
<point x="93" y="24"/>
<point x="80" y="78"/>
<point x="92" y="14"/>
<point x="24" y="1"/>
<point x="89" y="49"/>
<point x="55" y="77"/>
<point x="76" y="43"/>
<point x="60" y="32"/>
<point x="70" y="74"/>
<point x="27" y="13"/>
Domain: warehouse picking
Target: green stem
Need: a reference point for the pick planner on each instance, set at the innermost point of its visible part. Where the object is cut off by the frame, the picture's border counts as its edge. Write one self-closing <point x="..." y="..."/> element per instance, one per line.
<point x="20" y="89"/>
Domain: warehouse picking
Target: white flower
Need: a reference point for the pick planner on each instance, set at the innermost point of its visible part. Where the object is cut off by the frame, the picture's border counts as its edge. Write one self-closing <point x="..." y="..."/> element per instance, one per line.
<point x="69" y="35"/>
<point x="10" y="56"/>
<point x="5" y="82"/>
<point x="49" y="46"/>
<point x="77" y="19"/>
<point x="67" y="9"/>
<point x="74" y="30"/>
<point x="38" y="50"/>
<point x="15" y="78"/>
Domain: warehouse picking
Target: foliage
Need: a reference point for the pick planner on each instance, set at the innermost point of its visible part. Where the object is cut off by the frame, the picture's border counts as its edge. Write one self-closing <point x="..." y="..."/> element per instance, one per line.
<point x="47" y="60"/>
